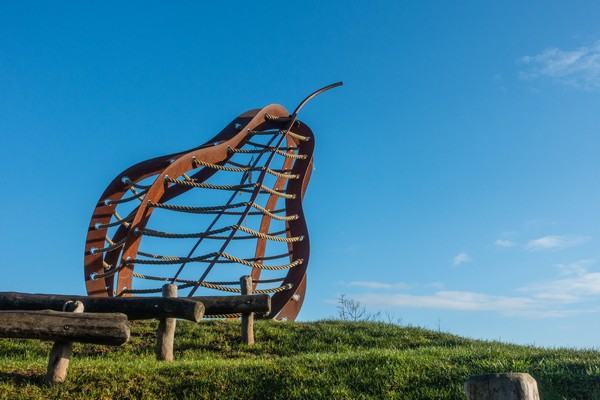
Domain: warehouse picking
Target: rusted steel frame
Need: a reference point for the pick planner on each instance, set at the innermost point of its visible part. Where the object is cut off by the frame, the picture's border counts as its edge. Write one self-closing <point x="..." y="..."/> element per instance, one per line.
<point x="215" y="154"/>
<point x="286" y="303"/>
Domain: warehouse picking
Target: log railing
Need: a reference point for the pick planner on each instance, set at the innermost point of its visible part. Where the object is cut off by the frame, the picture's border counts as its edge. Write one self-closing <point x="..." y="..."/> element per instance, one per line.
<point x="60" y="318"/>
<point x="135" y="308"/>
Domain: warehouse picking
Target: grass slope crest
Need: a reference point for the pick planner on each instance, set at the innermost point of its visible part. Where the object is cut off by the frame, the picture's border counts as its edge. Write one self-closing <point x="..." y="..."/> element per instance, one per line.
<point x="301" y="360"/>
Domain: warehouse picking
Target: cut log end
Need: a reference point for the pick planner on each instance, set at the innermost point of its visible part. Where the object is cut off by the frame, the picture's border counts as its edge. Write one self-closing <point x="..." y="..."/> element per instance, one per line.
<point x="508" y="386"/>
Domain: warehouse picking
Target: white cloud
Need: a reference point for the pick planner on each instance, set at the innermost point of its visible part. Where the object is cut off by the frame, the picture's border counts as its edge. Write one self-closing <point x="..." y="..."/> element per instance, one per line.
<point x="577" y="268"/>
<point x="513" y="306"/>
<point x="556" y="242"/>
<point x="580" y="285"/>
<point x="578" y="68"/>
<point x="550" y="300"/>
<point x="504" y="243"/>
<point x="557" y="298"/>
<point x="462" y="258"/>
<point x="378" y="285"/>
<point x="584" y="285"/>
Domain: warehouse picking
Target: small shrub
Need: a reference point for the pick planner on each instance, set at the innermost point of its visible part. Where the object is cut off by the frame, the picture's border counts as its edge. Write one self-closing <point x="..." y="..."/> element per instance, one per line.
<point x="352" y="310"/>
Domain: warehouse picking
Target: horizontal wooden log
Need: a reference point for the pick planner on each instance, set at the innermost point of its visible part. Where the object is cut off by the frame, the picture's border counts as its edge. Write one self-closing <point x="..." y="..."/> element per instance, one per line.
<point x="133" y="307"/>
<point x="217" y="305"/>
<point x="143" y="307"/>
<point x="109" y="329"/>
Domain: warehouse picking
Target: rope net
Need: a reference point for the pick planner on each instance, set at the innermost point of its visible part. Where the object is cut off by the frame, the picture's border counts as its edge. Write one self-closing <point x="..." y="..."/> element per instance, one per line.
<point x="211" y="223"/>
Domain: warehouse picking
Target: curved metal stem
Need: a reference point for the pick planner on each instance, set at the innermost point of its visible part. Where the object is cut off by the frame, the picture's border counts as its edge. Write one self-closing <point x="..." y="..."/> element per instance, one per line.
<point x="316" y="93"/>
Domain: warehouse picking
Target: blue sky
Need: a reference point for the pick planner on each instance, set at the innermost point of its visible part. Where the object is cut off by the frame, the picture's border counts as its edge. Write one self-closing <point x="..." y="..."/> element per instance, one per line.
<point x="456" y="171"/>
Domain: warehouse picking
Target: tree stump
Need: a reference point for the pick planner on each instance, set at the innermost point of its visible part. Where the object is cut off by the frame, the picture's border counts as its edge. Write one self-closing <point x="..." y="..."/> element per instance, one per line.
<point x="509" y="386"/>
<point x="165" y="335"/>
<point x="247" y="317"/>
<point x="60" y="355"/>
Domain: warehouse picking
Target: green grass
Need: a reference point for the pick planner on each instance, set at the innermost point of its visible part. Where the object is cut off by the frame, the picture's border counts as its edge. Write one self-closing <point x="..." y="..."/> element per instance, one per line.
<point x="316" y="360"/>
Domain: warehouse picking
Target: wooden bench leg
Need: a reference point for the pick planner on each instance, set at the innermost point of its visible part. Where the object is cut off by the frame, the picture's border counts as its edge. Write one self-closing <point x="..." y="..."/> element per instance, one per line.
<point x="165" y="336"/>
<point x="247" y="317"/>
<point x="58" y="363"/>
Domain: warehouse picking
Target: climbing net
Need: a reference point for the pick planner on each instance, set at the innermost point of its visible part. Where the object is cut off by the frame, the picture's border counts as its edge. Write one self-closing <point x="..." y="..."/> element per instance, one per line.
<point x="202" y="218"/>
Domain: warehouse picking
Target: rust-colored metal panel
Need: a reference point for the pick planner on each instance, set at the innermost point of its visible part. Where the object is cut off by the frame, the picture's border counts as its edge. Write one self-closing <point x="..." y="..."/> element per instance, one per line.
<point x="227" y="208"/>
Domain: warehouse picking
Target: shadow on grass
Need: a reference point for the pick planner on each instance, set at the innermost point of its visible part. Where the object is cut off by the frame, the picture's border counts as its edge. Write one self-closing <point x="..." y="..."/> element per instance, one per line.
<point x="23" y="379"/>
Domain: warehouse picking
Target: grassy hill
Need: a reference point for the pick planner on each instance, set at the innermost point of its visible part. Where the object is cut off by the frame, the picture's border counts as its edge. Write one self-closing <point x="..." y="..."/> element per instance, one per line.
<point x="316" y="360"/>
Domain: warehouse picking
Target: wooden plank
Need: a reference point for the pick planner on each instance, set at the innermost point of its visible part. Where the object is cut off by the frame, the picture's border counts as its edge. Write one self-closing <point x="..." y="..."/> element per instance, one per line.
<point x="133" y="307"/>
<point x="142" y="307"/>
<point x="109" y="329"/>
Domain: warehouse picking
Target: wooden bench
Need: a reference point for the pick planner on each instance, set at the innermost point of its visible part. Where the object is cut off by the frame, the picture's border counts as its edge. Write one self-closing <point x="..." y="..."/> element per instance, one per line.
<point x="166" y="309"/>
<point x="64" y="328"/>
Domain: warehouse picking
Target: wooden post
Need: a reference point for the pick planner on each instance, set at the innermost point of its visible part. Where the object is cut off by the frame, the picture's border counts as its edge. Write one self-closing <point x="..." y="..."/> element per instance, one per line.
<point x="165" y="335"/>
<point x="510" y="386"/>
<point x="58" y="362"/>
<point x="247" y="317"/>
